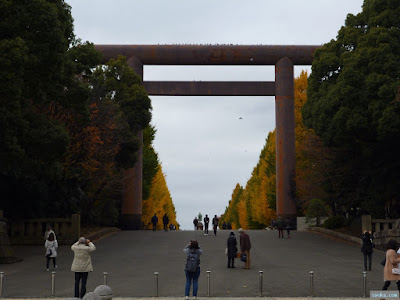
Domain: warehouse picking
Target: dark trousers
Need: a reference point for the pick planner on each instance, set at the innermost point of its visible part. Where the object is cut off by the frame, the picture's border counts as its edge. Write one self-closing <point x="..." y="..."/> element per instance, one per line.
<point x="48" y="261"/>
<point x="80" y="276"/>
<point x="231" y="262"/>
<point x="387" y="283"/>
<point x="369" y="256"/>
<point x="154" y="226"/>
<point x="215" y="230"/>
<point x="165" y="226"/>
<point x="280" y="232"/>
<point x="206" y="228"/>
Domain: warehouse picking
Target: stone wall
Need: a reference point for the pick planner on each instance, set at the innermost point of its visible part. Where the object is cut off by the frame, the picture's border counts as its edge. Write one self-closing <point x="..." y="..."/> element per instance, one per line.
<point x="382" y="237"/>
<point x="31" y="231"/>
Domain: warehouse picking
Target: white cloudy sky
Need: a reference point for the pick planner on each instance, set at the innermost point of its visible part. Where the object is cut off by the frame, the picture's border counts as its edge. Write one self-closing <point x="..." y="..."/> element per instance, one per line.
<point x="204" y="148"/>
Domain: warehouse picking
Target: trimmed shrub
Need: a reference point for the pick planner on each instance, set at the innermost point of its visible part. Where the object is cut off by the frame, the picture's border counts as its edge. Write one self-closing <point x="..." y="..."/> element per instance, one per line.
<point x="334" y="222"/>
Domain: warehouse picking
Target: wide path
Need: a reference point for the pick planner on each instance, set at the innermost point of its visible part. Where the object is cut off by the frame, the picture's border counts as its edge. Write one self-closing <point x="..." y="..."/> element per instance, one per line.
<point x="132" y="257"/>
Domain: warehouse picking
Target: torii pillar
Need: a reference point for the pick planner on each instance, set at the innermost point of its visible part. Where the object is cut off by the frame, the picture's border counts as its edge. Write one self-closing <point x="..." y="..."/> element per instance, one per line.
<point x="285" y="140"/>
<point x="131" y="212"/>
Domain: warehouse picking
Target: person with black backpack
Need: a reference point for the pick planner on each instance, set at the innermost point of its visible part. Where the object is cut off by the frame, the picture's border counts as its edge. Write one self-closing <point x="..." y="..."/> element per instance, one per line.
<point x="192" y="267"/>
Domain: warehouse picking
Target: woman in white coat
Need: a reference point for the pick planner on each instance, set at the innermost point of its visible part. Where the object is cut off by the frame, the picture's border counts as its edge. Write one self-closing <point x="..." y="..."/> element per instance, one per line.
<point x="51" y="246"/>
<point x="82" y="264"/>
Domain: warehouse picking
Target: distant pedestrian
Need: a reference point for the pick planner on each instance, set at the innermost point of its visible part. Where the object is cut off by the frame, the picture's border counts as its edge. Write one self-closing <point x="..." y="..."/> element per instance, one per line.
<point x="206" y="221"/>
<point x="215" y="224"/>
<point x="82" y="264"/>
<point x="280" y="226"/>
<point x="48" y="231"/>
<point x="245" y="246"/>
<point x="392" y="261"/>
<point x="192" y="267"/>
<point x="195" y="223"/>
<point x="154" y="220"/>
<point x="165" y="220"/>
<point x="366" y="249"/>
<point x="51" y="246"/>
<point x="288" y="226"/>
<point x="273" y="224"/>
<point x="232" y="250"/>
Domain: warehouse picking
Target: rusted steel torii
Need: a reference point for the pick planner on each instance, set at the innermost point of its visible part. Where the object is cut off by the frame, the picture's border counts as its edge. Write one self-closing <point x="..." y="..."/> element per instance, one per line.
<point x="282" y="57"/>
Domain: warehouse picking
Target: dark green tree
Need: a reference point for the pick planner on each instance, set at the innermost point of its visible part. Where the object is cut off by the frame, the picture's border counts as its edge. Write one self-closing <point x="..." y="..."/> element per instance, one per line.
<point x="354" y="105"/>
<point x="38" y="73"/>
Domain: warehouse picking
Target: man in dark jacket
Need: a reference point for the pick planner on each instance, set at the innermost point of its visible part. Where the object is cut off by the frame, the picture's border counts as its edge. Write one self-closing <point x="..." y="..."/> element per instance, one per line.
<point x="232" y="250"/>
<point x="165" y="220"/>
<point x="245" y="246"/>
<point x="206" y="221"/>
<point x="215" y="224"/>
<point x="154" y="220"/>
<point x="366" y="249"/>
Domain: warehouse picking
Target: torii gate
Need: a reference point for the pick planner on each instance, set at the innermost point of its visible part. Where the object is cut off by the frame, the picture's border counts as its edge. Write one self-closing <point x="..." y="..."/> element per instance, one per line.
<point x="282" y="57"/>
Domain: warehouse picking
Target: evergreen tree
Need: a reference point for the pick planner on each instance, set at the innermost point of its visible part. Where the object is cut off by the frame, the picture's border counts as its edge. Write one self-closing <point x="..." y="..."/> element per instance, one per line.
<point x="354" y="107"/>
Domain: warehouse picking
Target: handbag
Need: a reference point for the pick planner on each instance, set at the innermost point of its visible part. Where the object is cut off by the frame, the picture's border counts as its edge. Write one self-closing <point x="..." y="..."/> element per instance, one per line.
<point x="49" y="253"/>
<point x="396" y="271"/>
<point x="383" y="261"/>
<point x="243" y="257"/>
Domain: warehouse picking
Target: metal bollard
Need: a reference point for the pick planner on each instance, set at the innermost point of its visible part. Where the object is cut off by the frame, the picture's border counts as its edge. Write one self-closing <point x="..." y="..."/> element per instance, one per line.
<point x="105" y="278"/>
<point x="311" y="283"/>
<point x="364" y="284"/>
<point x="53" y="284"/>
<point x="1" y="283"/>
<point x="261" y="283"/>
<point x="208" y="284"/>
<point x="156" y="283"/>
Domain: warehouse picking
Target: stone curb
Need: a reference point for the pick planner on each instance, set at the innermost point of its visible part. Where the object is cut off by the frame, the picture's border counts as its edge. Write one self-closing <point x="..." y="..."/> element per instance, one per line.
<point x="342" y="236"/>
<point x="209" y="298"/>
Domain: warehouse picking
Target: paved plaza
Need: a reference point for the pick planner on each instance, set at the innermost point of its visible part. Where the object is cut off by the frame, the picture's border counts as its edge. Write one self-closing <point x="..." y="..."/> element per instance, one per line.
<point x="132" y="257"/>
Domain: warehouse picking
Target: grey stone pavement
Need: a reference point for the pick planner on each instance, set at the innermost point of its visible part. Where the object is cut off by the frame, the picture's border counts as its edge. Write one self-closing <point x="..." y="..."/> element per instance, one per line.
<point x="132" y="257"/>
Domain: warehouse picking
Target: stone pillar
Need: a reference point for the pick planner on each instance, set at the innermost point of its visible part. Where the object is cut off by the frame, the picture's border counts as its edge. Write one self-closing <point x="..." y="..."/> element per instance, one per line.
<point x="285" y="140"/>
<point x="75" y="227"/>
<point x="366" y="223"/>
<point x="131" y="218"/>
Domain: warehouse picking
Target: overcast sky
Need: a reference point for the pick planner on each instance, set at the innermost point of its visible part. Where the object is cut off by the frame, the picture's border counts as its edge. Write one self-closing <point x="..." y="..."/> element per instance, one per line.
<point x="203" y="145"/>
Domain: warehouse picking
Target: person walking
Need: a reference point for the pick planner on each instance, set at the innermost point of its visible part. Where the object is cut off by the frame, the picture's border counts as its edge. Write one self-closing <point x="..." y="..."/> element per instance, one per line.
<point x="280" y="226"/>
<point x="154" y="220"/>
<point x="245" y="246"/>
<point x="392" y="262"/>
<point x="165" y="220"/>
<point x="206" y="221"/>
<point x="215" y="224"/>
<point x="195" y="223"/>
<point x="192" y="267"/>
<point x="366" y="248"/>
<point x="51" y="246"/>
<point x="232" y="250"/>
<point x="288" y="226"/>
<point x="82" y="264"/>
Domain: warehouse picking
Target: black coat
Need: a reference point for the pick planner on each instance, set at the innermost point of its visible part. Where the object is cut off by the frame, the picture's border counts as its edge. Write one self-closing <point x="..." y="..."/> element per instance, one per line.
<point x="232" y="249"/>
<point x="367" y="243"/>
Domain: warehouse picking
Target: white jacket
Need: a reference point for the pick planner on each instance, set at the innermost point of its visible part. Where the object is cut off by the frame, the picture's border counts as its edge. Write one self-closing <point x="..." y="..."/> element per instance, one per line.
<point x="82" y="261"/>
<point x="51" y="245"/>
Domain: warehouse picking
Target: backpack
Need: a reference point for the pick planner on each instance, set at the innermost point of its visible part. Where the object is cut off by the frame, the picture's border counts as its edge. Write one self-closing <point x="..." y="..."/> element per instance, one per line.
<point x="193" y="261"/>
